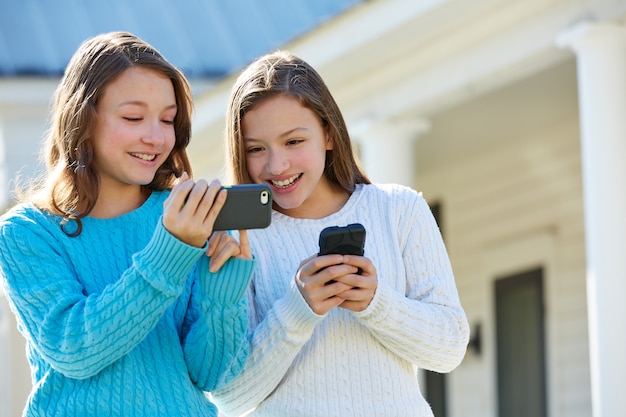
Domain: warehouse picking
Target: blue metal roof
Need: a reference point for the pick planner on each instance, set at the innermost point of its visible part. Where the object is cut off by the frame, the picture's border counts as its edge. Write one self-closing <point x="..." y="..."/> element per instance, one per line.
<point x="204" y="38"/>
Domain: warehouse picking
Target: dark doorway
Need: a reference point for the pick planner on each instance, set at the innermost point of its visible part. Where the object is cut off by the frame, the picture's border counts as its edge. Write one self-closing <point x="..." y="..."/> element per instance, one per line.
<point x="520" y="345"/>
<point x="436" y="393"/>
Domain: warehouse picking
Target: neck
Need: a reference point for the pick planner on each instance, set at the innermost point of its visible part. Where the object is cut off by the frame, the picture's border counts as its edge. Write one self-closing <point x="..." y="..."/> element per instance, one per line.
<point x="119" y="203"/>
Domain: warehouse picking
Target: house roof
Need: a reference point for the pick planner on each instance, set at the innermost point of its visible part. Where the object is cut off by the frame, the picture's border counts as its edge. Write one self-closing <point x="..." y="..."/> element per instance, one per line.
<point x="204" y="38"/>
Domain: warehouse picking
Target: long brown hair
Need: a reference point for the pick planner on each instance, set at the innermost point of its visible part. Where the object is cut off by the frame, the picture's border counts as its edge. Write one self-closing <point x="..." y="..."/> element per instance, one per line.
<point x="70" y="185"/>
<point x="281" y="73"/>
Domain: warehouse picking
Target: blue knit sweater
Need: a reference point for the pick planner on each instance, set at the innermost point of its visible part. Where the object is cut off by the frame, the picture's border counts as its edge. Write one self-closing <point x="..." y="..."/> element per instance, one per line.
<point x="123" y="320"/>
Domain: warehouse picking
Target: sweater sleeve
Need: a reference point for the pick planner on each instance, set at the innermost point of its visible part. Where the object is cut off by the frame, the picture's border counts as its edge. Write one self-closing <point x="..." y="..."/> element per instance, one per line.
<point x="79" y="334"/>
<point x="426" y="326"/>
<point x="216" y="324"/>
<point x="275" y="343"/>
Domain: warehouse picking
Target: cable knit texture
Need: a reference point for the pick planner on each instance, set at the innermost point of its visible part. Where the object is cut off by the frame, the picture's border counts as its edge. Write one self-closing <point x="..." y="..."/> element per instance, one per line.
<point x="123" y="320"/>
<point x="345" y="363"/>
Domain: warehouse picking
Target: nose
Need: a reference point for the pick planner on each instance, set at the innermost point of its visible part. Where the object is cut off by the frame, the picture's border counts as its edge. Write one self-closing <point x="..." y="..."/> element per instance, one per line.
<point x="155" y="133"/>
<point x="277" y="162"/>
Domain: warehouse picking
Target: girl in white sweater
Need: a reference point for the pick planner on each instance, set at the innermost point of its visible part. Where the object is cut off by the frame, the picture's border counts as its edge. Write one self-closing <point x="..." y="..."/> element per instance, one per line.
<point x="336" y="334"/>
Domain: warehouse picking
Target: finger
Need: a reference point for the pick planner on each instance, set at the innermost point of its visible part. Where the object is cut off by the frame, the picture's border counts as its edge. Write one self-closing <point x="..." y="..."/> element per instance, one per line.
<point x="319" y="299"/>
<point x="214" y="241"/>
<point x="321" y="285"/>
<point x="364" y="264"/>
<point x="173" y="207"/>
<point x="359" y="281"/>
<point x="183" y="177"/>
<point x="228" y="248"/>
<point x="317" y="263"/>
<point x="244" y="245"/>
<point x="354" y="305"/>
<point x="207" y="199"/>
<point x="324" y="306"/>
<point x="179" y="192"/>
<point x="357" y="299"/>
<point x="195" y="198"/>
<point x="179" y="181"/>
<point x="217" y="199"/>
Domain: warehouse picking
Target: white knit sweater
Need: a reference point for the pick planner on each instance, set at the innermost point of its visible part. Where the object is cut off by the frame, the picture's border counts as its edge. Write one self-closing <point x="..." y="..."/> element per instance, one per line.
<point x="346" y="363"/>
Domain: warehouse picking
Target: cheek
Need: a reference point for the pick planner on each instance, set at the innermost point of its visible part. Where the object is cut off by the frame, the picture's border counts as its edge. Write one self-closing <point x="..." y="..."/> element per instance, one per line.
<point x="105" y="141"/>
<point x="315" y="159"/>
<point x="111" y="137"/>
<point x="170" y="140"/>
<point x="255" y="167"/>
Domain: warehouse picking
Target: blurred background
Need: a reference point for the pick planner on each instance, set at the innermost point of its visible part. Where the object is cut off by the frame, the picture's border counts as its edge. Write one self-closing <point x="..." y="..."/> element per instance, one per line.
<point x="509" y="116"/>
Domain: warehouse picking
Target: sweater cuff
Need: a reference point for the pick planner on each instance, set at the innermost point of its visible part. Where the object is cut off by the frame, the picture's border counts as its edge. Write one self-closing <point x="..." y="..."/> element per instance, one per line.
<point x="379" y="306"/>
<point x="295" y="312"/>
<point x="229" y="283"/>
<point x="166" y="261"/>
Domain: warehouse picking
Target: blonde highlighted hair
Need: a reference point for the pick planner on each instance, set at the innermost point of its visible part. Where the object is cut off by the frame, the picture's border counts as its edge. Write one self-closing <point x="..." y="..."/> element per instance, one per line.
<point x="281" y="73"/>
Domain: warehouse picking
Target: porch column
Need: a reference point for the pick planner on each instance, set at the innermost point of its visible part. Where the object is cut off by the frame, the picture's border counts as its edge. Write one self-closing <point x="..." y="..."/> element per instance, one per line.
<point x="387" y="149"/>
<point x="601" y="59"/>
<point x="5" y="378"/>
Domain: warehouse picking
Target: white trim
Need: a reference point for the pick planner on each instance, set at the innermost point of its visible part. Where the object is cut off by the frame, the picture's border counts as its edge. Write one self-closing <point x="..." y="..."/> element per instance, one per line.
<point x="26" y="90"/>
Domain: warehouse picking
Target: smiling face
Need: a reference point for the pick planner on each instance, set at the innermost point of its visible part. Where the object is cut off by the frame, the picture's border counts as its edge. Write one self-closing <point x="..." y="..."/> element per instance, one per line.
<point x="285" y="146"/>
<point x="134" y="132"/>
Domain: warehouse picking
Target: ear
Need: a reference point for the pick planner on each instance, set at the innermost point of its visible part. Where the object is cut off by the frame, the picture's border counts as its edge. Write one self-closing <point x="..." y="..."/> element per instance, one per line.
<point x="329" y="141"/>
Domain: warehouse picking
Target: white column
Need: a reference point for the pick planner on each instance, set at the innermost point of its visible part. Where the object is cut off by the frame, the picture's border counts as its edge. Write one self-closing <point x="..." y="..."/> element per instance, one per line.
<point x="387" y="149"/>
<point x="5" y="194"/>
<point x="601" y="58"/>
<point x="5" y="375"/>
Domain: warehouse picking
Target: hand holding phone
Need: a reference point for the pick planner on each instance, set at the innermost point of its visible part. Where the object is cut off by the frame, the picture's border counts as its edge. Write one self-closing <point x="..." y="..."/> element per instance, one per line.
<point x="343" y="240"/>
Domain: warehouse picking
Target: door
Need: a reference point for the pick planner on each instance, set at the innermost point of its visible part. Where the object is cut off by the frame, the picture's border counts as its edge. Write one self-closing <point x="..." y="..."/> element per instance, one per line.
<point x="520" y="345"/>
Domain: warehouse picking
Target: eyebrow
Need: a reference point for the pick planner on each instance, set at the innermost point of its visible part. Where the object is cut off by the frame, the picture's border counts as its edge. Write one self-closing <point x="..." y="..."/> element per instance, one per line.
<point x="282" y="135"/>
<point x="144" y="104"/>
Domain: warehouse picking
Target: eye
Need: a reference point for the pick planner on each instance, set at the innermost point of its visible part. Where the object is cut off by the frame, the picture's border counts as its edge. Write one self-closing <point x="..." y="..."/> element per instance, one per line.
<point x="254" y="149"/>
<point x="133" y="119"/>
<point x="168" y="117"/>
<point x="294" y="141"/>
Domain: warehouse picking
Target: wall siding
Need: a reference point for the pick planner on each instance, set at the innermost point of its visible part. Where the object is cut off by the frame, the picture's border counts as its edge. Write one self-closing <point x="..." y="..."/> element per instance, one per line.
<point x="493" y="199"/>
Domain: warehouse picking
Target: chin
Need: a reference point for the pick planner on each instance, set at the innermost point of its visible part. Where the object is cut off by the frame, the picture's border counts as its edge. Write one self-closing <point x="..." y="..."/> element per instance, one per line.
<point x="143" y="182"/>
<point x="287" y="205"/>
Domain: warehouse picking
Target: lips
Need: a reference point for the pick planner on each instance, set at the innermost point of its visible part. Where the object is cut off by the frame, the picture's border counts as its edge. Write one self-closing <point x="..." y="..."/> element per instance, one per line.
<point x="144" y="156"/>
<point x="285" y="183"/>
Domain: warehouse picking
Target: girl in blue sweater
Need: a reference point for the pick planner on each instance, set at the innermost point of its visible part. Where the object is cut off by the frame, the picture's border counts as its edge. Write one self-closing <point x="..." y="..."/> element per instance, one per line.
<point x="104" y="262"/>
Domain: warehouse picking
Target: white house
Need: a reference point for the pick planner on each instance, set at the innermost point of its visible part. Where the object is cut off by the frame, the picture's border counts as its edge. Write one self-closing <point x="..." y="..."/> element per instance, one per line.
<point x="510" y="116"/>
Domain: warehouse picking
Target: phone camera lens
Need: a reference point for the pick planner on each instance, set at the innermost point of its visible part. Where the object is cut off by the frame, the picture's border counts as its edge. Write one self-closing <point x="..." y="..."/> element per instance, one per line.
<point x="265" y="197"/>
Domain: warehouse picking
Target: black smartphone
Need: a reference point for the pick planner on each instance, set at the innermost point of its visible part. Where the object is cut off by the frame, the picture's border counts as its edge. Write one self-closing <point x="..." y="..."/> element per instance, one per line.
<point x="247" y="206"/>
<point x="344" y="240"/>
